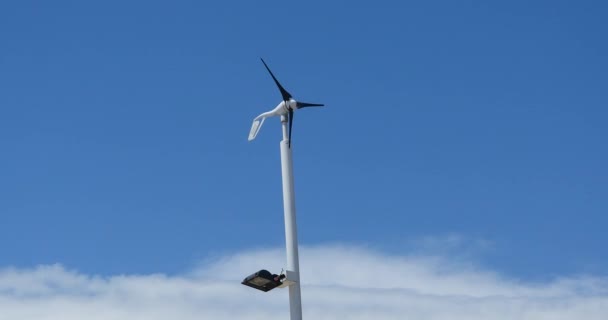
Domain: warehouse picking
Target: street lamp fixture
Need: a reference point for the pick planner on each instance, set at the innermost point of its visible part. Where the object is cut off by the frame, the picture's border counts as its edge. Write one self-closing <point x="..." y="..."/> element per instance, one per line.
<point x="263" y="280"/>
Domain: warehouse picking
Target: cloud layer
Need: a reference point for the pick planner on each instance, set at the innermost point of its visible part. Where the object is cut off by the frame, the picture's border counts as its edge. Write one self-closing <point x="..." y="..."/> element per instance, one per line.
<point x="339" y="282"/>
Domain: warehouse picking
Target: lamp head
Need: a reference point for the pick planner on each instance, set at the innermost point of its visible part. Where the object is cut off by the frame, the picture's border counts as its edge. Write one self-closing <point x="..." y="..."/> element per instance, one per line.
<point x="263" y="280"/>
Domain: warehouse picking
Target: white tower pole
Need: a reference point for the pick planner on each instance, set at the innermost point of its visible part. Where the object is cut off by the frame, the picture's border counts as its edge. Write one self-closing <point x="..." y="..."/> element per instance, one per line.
<point x="291" y="234"/>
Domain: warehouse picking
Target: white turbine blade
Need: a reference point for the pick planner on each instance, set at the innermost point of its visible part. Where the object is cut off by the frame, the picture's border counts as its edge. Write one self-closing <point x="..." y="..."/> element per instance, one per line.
<point x="255" y="128"/>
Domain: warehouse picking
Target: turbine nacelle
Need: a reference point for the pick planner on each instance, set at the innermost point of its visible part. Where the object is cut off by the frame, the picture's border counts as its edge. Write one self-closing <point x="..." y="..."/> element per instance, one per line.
<point x="282" y="109"/>
<point x="285" y="107"/>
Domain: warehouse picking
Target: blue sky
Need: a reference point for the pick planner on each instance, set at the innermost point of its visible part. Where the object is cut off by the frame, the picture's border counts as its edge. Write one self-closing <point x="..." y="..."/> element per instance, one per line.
<point x="473" y="129"/>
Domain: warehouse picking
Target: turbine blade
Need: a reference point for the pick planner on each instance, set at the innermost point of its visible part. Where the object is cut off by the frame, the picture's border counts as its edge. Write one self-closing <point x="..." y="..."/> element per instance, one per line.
<point x="290" y="125"/>
<point x="306" y="104"/>
<point x="286" y="95"/>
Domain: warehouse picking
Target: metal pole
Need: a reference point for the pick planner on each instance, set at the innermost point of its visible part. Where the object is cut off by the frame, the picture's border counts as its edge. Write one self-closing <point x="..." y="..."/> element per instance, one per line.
<point x="291" y="235"/>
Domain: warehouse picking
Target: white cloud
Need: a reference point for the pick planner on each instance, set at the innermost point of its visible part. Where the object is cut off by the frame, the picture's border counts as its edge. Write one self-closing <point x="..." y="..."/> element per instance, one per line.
<point x="339" y="282"/>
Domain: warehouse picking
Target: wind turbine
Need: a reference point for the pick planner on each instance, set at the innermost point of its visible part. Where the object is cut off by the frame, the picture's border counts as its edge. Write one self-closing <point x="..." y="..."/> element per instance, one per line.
<point x="285" y="107"/>
<point x="263" y="279"/>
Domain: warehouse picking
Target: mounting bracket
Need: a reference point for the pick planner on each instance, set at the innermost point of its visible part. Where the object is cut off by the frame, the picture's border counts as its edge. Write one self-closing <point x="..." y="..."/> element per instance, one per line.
<point x="290" y="279"/>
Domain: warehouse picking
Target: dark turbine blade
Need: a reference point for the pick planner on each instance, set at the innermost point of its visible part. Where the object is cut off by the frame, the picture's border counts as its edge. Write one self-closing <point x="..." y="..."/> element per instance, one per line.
<point x="290" y="125"/>
<point x="286" y="95"/>
<point x="306" y="104"/>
